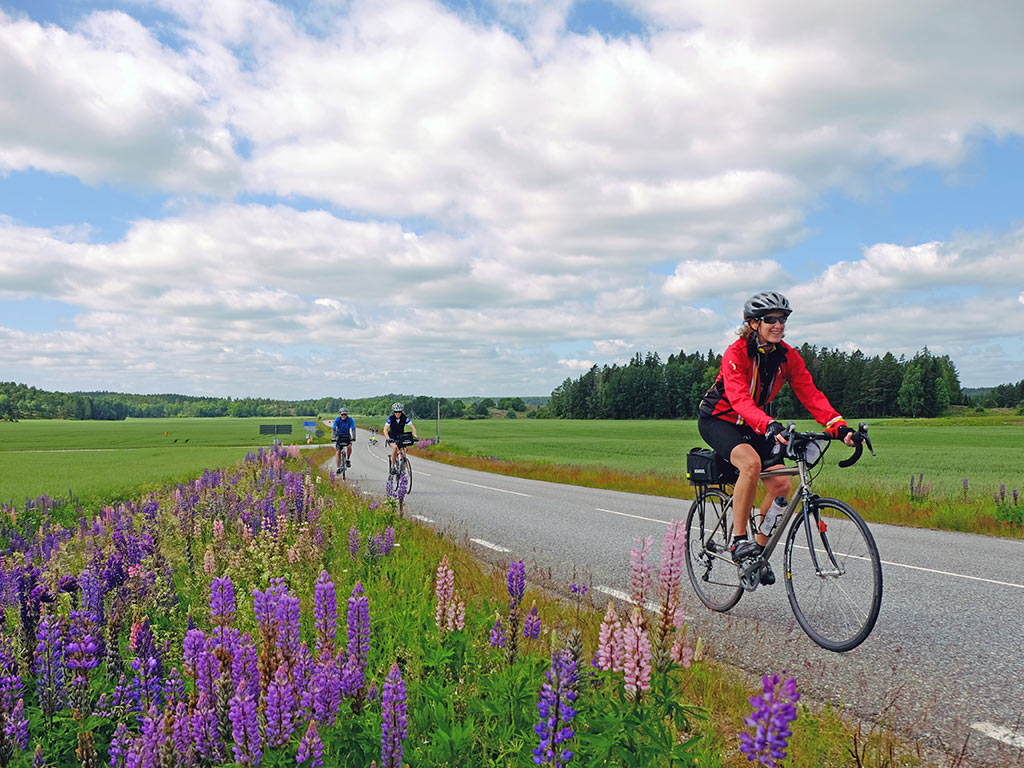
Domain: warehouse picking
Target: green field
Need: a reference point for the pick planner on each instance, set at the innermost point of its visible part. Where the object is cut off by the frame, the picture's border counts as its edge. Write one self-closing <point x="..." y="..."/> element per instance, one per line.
<point x="986" y="451"/>
<point x="110" y="459"/>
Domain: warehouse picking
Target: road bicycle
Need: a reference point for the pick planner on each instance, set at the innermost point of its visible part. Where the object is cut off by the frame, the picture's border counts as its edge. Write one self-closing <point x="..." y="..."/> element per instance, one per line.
<point x="341" y="443"/>
<point x="373" y="438"/>
<point x="399" y="483"/>
<point x="832" y="570"/>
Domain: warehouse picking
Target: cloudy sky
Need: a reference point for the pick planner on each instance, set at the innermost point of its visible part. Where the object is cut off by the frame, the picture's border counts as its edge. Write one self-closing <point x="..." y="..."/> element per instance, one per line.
<point x="302" y="198"/>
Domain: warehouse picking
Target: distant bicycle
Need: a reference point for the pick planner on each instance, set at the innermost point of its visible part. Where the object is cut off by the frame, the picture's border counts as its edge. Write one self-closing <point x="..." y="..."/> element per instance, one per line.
<point x="833" y="571"/>
<point x="341" y="442"/>
<point x="399" y="483"/>
<point x="373" y="438"/>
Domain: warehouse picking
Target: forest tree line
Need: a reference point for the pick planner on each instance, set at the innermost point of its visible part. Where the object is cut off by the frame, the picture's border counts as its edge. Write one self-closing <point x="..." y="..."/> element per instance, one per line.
<point x="857" y="385"/>
<point x="18" y="401"/>
<point x="644" y="388"/>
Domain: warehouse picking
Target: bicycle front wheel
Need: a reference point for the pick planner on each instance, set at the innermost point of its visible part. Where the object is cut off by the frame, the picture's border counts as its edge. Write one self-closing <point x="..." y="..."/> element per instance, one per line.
<point x="407" y="476"/>
<point x="833" y="575"/>
<point x="713" y="574"/>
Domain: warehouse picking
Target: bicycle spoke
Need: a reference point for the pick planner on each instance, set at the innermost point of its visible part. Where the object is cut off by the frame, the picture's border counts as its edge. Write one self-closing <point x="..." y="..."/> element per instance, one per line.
<point x="839" y="606"/>
<point x="714" y="576"/>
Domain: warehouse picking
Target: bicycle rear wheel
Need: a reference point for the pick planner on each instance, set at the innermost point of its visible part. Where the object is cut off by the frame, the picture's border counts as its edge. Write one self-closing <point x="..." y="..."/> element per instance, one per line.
<point x="713" y="574"/>
<point x="837" y="602"/>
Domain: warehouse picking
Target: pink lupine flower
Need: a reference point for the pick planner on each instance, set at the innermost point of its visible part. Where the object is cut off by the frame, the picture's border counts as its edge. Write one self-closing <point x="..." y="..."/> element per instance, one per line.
<point x="209" y="562"/>
<point x="640" y="581"/>
<point x="609" y="644"/>
<point x="637" y="659"/>
<point x="672" y="554"/>
<point x="218" y="531"/>
<point x="450" y="613"/>
<point x="681" y="653"/>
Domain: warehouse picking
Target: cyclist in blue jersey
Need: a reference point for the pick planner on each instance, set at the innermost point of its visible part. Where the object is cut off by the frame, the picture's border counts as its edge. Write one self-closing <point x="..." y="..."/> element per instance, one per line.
<point x="344" y="425"/>
<point x="395" y="426"/>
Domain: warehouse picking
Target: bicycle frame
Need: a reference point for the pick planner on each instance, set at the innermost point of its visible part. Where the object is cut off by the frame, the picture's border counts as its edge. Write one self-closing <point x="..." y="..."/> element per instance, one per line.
<point x="803" y="495"/>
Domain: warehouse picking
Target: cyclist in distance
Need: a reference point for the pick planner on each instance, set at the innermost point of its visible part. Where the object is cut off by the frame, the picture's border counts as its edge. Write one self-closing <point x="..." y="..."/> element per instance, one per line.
<point x="732" y="417"/>
<point x="344" y="424"/>
<point x="395" y="426"/>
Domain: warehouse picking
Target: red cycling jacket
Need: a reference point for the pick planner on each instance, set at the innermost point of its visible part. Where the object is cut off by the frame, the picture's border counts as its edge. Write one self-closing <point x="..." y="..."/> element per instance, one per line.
<point x="752" y="376"/>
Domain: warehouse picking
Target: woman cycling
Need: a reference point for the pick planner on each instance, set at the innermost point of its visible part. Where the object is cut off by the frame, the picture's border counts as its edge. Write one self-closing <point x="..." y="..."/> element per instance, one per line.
<point x="732" y="419"/>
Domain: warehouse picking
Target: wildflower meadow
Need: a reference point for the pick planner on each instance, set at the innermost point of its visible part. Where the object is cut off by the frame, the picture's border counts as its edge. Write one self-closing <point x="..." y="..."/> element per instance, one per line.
<point x="266" y="615"/>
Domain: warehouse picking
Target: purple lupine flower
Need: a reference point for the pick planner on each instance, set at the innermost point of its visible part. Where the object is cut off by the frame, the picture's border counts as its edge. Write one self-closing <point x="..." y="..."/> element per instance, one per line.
<point x="48" y="665"/>
<point x="497" y="634"/>
<point x="389" y="540"/>
<point x="325" y="686"/>
<point x="531" y="626"/>
<point x="516" y="585"/>
<point x="248" y="748"/>
<point x="204" y="731"/>
<point x="16" y="728"/>
<point x="311" y="747"/>
<point x="557" y="696"/>
<point x="93" y="591"/>
<point x="222" y="601"/>
<point x="280" y="708"/>
<point x="359" y="625"/>
<point x="181" y="734"/>
<point x="81" y="655"/>
<point x="773" y="710"/>
<point x="146" y="686"/>
<point x="288" y="626"/>
<point x="1002" y="493"/>
<point x="395" y="723"/>
<point x="353" y="542"/>
<point x="1015" y="497"/>
<point x="193" y="647"/>
<point x="352" y="677"/>
<point x="119" y="744"/>
<point x="325" y="612"/>
<point x="39" y="759"/>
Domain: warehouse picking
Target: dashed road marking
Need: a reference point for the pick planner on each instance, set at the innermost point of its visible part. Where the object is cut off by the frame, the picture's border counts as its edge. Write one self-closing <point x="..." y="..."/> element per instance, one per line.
<point x="618" y="594"/>
<point x="637" y="517"/>
<point x="490" y="488"/>
<point x="1000" y="733"/>
<point x="488" y="544"/>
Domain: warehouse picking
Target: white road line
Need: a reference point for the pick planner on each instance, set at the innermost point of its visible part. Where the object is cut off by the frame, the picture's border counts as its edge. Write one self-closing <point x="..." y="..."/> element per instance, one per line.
<point x="958" y="575"/>
<point x="626" y="514"/>
<point x="488" y="544"/>
<point x="422" y="519"/>
<point x="489" y="488"/>
<point x="620" y="595"/>
<point x="929" y="570"/>
<point x="1000" y="733"/>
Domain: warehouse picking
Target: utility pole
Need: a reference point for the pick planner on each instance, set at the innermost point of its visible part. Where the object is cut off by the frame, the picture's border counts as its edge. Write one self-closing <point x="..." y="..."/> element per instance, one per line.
<point x="437" y="426"/>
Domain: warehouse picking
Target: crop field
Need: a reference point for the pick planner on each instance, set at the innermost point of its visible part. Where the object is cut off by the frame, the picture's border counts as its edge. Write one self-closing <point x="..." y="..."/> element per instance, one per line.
<point x="107" y="459"/>
<point x="968" y="473"/>
<point x="987" y="454"/>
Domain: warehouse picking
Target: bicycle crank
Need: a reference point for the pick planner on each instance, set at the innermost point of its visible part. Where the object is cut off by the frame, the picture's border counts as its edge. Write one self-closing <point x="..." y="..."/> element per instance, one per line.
<point x="750" y="573"/>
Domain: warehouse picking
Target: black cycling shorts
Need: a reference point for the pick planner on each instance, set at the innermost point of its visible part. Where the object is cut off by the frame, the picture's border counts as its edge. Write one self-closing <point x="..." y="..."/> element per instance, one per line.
<point x="724" y="436"/>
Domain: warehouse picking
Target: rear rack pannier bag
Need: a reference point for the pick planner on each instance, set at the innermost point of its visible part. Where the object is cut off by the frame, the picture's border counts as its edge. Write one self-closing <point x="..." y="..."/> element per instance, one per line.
<point x="705" y="467"/>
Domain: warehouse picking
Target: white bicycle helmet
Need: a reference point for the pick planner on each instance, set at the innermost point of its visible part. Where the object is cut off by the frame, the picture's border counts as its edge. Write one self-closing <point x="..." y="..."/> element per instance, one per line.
<point x="761" y="304"/>
<point x="397" y="407"/>
<point x="343" y="412"/>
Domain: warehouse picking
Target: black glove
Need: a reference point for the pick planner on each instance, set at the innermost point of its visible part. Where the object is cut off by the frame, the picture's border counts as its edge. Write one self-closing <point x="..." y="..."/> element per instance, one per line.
<point x="843" y="431"/>
<point x="774" y="428"/>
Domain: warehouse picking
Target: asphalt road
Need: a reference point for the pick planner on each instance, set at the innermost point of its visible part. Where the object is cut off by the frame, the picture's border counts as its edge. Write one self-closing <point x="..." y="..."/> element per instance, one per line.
<point x="944" y="665"/>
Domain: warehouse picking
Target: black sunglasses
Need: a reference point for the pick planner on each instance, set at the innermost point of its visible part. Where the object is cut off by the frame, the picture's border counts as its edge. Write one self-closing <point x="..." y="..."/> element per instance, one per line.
<point x="773" y="319"/>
